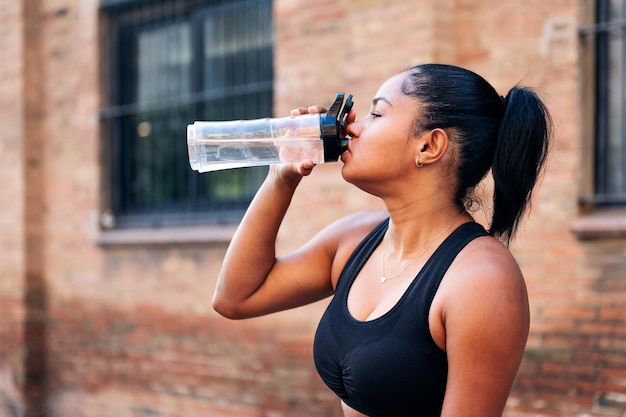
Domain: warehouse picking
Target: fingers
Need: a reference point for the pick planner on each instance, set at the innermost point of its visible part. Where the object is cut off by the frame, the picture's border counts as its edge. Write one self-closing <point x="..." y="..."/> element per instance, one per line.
<point x="305" y="167"/>
<point x="298" y="111"/>
<point x="308" y="110"/>
<point x="291" y="174"/>
<point x="321" y="109"/>
<point x="316" y="109"/>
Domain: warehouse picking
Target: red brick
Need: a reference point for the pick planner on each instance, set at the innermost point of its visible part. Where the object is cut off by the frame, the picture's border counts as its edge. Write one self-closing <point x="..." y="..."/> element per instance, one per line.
<point x="130" y="330"/>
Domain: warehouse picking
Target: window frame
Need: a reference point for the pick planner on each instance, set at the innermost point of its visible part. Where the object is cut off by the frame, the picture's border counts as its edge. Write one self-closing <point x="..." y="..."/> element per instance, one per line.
<point x="596" y="219"/>
<point x="594" y="193"/>
<point x="119" y="14"/>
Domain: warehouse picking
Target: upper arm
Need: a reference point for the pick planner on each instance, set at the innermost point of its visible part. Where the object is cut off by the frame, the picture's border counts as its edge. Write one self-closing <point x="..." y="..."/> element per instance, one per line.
<point x="309" y="273"/>
<point x="486" y="322"/>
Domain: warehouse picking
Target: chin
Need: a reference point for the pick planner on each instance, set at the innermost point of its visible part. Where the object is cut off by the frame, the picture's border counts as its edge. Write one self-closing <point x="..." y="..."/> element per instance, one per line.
<point x="366" y="180"/>
<point x="353" y="178"/>
<point x="345" y="171"/>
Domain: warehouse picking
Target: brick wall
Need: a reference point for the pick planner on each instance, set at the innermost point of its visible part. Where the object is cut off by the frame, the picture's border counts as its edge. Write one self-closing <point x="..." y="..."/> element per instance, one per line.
<point x="12" y="257"/>
<point x="144" y="361"/>
<point x="127" y="330"/>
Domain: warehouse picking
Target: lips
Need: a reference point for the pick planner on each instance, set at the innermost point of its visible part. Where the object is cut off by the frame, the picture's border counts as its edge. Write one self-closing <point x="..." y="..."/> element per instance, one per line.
<point x="344" y="154"/>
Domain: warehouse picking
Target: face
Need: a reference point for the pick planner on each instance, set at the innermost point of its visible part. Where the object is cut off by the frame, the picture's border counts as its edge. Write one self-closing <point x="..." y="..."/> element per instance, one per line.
<point x="382" y="146"/>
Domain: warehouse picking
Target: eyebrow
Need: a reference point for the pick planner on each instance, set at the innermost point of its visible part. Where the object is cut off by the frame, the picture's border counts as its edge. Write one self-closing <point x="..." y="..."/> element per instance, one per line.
<point x="377" y="99"/>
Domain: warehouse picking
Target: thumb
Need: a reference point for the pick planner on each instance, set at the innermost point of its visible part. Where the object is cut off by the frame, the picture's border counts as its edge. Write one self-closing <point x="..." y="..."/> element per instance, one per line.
<point x="305" y="167"/>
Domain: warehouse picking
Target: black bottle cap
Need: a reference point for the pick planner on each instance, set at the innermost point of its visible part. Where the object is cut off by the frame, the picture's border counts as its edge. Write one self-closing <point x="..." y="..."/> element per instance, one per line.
<point x="332" y="127"/>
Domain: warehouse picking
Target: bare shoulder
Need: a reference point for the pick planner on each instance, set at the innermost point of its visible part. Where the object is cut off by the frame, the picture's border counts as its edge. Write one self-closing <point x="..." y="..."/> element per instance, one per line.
<point x="366" y="218"/>
<point x="484" y="284"/>
<point x="485" y="269"/>
<point x="342" y="236"/>
<point x="487" y="259"/>
<point x="354" y="226"/>
<point x="480" y="318"/>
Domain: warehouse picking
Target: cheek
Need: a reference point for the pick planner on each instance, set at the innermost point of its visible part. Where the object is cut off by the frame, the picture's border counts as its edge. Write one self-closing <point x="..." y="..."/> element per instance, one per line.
<point x="379" y="162"/>
<point x="389" y="152"/>
<point x="381" y="149"/>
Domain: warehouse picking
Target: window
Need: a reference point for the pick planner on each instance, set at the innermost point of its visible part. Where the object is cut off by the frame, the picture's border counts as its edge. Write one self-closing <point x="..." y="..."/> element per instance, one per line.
<point x="167" y="64"/>
<point x="607" y="40"/>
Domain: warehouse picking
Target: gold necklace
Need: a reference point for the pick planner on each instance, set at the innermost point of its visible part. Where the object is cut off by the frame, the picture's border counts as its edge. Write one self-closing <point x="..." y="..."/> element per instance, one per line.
<point x="384" y="278"/>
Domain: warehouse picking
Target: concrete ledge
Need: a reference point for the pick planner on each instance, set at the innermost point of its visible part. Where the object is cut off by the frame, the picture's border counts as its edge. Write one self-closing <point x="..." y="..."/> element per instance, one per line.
<point x="166" y="235"/>
<point x="601" y="224"/>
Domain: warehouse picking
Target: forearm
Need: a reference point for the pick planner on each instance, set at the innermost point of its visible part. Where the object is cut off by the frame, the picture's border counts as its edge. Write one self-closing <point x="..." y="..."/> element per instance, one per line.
<point x="251" y="254"/>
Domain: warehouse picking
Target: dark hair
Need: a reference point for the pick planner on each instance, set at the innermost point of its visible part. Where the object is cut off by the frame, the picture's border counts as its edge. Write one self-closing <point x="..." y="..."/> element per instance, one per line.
<point x="510" y="135"/>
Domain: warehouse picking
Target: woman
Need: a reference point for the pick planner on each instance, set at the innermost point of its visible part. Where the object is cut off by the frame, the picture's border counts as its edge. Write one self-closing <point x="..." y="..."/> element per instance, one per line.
<point x="430" y="312"/>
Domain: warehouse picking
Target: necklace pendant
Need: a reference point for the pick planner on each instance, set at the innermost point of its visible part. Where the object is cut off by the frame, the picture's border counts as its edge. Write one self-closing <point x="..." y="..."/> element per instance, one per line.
<point x="383" y="279"/>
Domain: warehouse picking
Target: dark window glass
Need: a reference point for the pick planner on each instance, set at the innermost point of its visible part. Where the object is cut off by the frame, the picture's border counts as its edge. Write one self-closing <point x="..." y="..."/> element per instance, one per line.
<point x="170" y="63"/>
<point x="610" y="61"/>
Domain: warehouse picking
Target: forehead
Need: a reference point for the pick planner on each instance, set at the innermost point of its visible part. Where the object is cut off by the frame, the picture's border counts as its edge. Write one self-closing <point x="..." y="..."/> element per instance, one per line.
<point x="391" y="90"/>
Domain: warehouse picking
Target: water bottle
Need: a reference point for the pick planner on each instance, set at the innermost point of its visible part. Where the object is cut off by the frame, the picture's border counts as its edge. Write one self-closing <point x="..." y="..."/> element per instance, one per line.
<point x="215" y="146"/>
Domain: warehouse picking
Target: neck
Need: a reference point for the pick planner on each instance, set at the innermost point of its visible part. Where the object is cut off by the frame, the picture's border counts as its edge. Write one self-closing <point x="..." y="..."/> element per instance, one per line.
<point x="412" y="228"/>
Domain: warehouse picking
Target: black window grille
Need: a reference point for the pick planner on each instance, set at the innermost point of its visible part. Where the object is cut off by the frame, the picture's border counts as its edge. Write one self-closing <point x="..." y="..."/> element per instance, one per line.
<point x="168" y="64"/>
<point x="610" y="102"/>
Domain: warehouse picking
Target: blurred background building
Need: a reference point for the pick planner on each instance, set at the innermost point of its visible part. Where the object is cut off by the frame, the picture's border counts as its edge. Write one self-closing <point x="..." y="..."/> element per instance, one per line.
<point x="110" y="245"/>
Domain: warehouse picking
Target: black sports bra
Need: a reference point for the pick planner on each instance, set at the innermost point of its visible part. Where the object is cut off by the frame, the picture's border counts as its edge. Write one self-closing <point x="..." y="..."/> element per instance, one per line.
<point x="389" y="366"/>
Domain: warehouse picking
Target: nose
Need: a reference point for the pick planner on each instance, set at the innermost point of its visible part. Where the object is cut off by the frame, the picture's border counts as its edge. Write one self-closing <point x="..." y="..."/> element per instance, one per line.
<point x="353" y="129"/>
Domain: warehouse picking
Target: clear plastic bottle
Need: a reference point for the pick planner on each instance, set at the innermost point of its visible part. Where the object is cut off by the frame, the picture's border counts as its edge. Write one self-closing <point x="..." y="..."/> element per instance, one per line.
<point x="215" y="146"/>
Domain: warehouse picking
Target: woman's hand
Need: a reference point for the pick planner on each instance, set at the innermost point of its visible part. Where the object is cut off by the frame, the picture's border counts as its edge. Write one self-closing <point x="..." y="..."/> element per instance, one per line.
<point x="308" y="110"/>
<point x="291" y="174"/>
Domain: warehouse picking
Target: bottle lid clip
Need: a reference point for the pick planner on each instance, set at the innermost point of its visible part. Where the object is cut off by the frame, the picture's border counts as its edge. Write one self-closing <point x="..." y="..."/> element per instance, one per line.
<point x="332" y="127"/>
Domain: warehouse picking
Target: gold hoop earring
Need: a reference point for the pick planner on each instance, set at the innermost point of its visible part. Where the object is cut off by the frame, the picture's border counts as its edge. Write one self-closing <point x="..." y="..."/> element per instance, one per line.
<point x="418" y="163"/>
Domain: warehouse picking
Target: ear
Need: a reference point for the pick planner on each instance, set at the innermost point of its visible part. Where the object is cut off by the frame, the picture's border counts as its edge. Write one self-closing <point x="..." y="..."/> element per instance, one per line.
<point x="431" y="146"/>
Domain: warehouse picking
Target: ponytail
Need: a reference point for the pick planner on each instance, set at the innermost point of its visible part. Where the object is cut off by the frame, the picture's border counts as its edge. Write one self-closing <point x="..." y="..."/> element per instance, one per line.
<point x="510" y="136"/>
<point x="520" y="153"/>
